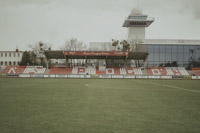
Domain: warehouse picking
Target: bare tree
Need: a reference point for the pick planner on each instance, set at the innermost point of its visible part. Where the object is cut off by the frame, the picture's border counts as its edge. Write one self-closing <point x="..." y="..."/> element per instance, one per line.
<point x="74" y="45"/>
<point x="125" y="45"/>
<point x="120" y="45"/>
<point x="39" y="47"/>
<point x="38" y="50"/>
<point x="115" y="44"/>
<point x="131" y="46"/>
<point x="136" y="46"/>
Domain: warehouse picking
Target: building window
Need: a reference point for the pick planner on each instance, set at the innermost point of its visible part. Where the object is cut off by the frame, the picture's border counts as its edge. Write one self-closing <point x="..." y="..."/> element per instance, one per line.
<point x="156" y="49"/>
<point x="180" y="49"/>
<point x="180" y="57"/>
<point x="150" y="48"/>
<point x="168" y="57"/>
<point x="186" y="57"/>
<point x="1" y="63"/>
<point x="14" y="54"/>
<point x="150" y="57"/>
<point x="9" y="54"/>
<point x="156" y="57"/>
<point x="169" y="49"/>
<point x="162" y="49"/>
<point x="174" y="49"/>
<point x="5" y="54"/>
<point x="14" y="63"/>
<point x="10" y="63"/>
<point x="198" y="56"/>
<point x="174" y="57"/>
<point x="192" y="48"/>
<point x="162" y="57"/>
<point x="186" y="49"/>
<point x="197" y="49"/>
<point x="6" y="63"/>
<point x="1" y="54"/>
<point x="18" y="62"/>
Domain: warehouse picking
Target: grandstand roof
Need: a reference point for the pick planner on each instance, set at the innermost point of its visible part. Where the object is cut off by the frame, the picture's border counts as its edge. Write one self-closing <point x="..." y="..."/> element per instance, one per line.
<point x="59" y="54"/>
<point x="55" y="54"/>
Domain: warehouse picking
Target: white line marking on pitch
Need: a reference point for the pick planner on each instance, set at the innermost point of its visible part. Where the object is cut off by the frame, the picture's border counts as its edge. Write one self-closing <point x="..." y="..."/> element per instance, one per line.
<point x="169" y="86"/>
<point x="122" y="88"/>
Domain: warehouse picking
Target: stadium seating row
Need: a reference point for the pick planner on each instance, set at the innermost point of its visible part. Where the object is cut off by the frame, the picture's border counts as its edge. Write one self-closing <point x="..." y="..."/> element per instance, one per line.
<point x="94" y="70"/>
<point x="121" y="71"/>
<point x="196" y="71"/>
<point x="167" y="71"/>
<point x="24" y="69"/>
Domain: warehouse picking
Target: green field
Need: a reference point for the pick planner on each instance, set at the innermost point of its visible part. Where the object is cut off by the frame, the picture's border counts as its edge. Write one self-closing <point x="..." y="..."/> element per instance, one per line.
<point x="99" y="106"/>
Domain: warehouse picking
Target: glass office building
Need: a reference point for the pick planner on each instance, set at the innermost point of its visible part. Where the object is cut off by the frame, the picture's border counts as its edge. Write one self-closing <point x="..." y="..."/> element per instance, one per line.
<point x="159" y="55"/>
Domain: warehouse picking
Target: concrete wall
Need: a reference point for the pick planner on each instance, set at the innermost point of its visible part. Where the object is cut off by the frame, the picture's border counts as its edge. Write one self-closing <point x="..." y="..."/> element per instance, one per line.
<point x="136" y="33"/>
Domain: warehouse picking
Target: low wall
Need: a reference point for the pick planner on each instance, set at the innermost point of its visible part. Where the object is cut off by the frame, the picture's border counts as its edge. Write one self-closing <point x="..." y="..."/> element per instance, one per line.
<point x="101" y="76"/>
<point x="133" y="77"/>
<point x="47" y="76"/>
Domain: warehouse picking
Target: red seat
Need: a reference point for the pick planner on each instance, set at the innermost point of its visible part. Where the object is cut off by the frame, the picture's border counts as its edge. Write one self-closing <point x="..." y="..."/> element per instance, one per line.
<point x="156" y="71"/>
<point x="14" y="69"/>
<point x="196" y="71"/>
<point x="60" y="70"/>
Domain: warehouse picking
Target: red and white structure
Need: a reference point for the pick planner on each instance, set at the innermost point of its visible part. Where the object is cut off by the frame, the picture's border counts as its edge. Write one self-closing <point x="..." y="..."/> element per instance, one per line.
<point x="24" y="70"/>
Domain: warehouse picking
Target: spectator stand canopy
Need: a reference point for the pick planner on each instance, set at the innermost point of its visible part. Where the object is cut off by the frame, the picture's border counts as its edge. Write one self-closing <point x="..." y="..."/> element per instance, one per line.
<point x="59" y="54"/>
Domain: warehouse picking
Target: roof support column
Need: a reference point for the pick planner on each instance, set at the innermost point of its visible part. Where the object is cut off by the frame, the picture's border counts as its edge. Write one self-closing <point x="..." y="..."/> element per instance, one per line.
<point x="47" y="64"/>
<point x="106" y="61"/>
<point x="66" y="61"/>
<point x="145" y="62"/>
<point x="86" y="61"/>
<point x="125" y="61"/>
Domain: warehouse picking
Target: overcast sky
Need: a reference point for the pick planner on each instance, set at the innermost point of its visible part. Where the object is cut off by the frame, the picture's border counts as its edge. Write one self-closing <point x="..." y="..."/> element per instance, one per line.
<point x="24" y="22"/>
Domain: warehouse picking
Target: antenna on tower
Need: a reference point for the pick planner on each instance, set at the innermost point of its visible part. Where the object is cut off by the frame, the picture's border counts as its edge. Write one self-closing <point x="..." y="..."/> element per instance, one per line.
<point x="137" y="4"/>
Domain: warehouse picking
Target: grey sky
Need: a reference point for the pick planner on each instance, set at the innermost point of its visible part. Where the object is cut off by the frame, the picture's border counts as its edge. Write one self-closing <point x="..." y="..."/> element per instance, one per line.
<point x="24" y="22"/>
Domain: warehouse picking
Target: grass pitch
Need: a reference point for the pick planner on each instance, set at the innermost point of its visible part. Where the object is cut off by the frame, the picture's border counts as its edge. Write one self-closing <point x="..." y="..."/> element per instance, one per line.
<point x="99" y="106"/>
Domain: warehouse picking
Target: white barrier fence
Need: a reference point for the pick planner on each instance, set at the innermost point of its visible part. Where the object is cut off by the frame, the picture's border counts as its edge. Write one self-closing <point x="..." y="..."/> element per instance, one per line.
<point x="105" y="76"/>
<point x="100" y="76"/>
<point x="129" y="76"/>
<point x="89" y="76"/>
<point x="52" y="76"/>
<point x="195" y="77"/>
<point x="133" y="77"/>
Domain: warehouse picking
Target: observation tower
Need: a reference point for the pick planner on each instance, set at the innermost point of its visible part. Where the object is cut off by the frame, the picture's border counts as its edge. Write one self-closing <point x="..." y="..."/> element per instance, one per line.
<point x="136" y="24"/>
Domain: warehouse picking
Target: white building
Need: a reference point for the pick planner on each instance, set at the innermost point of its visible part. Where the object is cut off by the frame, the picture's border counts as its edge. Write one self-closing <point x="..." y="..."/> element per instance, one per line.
<point x="8" y="58"/>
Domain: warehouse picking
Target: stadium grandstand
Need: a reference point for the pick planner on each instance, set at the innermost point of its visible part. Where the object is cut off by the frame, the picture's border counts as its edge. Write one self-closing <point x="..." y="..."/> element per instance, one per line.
<point x="155" y="58"/>
<point x="134" y="85"/>
<point x="99" y="67"/>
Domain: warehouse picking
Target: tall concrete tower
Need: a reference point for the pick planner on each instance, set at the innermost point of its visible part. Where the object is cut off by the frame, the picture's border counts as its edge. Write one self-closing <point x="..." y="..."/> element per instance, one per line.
<point x="136" y="24"/>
